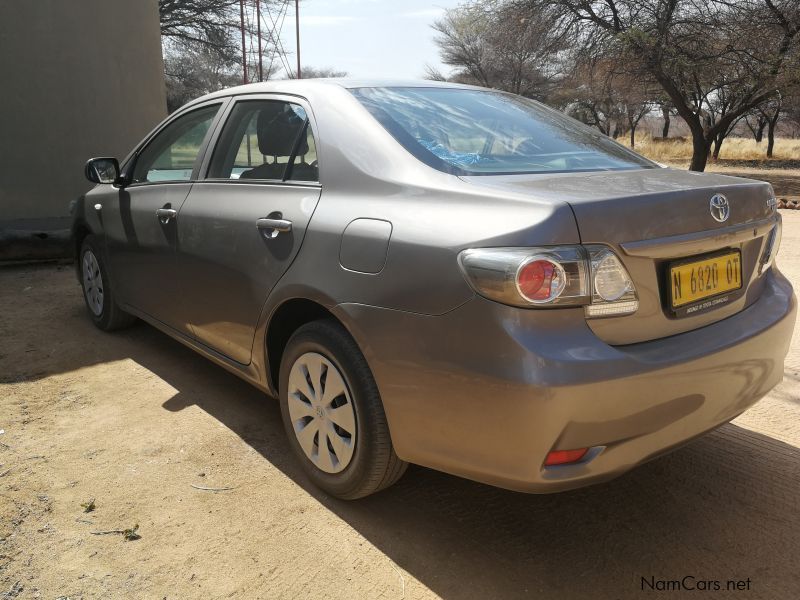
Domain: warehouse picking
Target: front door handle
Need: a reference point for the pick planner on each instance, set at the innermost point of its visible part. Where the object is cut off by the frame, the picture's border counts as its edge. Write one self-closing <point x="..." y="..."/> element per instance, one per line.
<point x="272" y="227"/>
<point x="165" y="214"/>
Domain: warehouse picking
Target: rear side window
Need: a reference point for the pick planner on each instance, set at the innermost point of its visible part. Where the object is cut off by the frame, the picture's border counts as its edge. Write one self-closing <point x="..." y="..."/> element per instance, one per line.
<point x="475" y="132"/>
<point x="171" y="154"/>
<point x="267" y="140"/>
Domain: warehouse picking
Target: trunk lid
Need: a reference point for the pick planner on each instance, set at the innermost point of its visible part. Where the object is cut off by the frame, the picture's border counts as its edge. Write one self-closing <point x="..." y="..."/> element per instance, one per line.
<point x="655" y="218"/>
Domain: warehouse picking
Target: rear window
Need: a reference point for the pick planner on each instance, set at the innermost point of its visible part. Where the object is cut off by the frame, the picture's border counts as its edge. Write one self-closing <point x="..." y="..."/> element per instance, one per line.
<point x="475" y="132"/>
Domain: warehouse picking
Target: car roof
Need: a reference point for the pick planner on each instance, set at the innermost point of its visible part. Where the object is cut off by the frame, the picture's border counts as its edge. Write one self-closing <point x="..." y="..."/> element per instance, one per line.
<point x="304" y="86"/>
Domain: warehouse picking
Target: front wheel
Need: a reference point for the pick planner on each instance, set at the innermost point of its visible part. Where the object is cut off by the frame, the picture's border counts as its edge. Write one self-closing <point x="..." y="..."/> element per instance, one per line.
<point x="333" y="414"/>
<point x="97" y="292"/>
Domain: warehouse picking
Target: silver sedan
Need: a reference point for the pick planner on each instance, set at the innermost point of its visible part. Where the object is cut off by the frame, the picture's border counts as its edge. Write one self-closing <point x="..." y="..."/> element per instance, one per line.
<point x="442" y="275"/>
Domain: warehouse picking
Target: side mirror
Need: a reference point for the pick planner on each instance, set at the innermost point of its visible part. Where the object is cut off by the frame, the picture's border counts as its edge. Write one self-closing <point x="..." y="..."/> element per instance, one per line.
<point x="102" y="170"/>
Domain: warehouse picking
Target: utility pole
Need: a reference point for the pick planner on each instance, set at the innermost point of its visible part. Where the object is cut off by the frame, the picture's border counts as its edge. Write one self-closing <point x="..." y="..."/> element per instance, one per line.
<point x="297" y="33"/>
<point x="260" y="58"/>
<point x="244" y="49"/>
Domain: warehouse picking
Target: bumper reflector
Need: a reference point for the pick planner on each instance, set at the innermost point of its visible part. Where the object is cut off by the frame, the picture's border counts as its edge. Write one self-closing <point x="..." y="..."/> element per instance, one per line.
<point x="563" y="457"/>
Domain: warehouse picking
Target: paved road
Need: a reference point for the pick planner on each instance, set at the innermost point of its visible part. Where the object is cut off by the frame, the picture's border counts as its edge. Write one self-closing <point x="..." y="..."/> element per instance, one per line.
<point x="134" y="419"/>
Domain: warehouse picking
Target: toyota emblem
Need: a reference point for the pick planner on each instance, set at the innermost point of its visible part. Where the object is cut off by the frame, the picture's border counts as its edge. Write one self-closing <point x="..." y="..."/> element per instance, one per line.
<point x="720" y="209"/>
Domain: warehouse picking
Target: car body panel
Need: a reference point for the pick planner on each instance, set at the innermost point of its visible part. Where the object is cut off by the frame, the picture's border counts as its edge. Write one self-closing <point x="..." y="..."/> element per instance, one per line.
<point x="142" y="247"/>
<point x="218" y="242"/>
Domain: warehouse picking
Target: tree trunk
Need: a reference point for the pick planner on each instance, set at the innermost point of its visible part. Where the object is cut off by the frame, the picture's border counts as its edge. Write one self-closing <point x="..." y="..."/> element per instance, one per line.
<point x="770" y="139"/>
<point x="717" y="145"/>
<point x="665" y="130"/>
<point x="759" y="134"/>
<point x="633" y="135"/>
<point x="700" y="148"/>
<point x="773" y="121"/>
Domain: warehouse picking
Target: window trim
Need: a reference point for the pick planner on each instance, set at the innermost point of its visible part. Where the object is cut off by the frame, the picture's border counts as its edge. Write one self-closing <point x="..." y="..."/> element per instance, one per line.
<point x="130" y="162"/>
<point x="202" y="175"/>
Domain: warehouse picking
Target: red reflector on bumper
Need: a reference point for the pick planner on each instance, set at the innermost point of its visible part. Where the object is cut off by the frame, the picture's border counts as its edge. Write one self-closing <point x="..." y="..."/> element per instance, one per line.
<point x="563" y="457"/>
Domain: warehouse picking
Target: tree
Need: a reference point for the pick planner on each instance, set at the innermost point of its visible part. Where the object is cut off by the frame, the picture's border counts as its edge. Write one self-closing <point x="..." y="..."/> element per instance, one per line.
<point x="207" y="22"/>
<point x="692" y="48"/>
<point x="719" y="105"/>
<point x="771" y="111"/>
<point x="590" y="95"/>
<point x="202" y="46"/>
<point x="321" y="72"/>
<point x="635" y="111"/>
<point x="605" y="90"/>
<point x="193" y="70"/>
<point x="666" y="108"/>
<point x="756" y="122"/>
<point x="492" y="45"/>
<point x="790" y="110"/>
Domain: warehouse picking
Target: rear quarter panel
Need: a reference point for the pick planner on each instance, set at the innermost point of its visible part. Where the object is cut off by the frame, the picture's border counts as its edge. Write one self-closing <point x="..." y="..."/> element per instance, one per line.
<point x="366" y="174"/>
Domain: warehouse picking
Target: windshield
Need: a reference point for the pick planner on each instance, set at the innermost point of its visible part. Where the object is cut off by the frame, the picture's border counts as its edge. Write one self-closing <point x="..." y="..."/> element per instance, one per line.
<point x="476" y="132"/>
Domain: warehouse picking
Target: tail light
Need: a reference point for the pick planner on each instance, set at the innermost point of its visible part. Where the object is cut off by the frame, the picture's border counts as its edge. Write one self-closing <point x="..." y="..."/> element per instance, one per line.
<point x="590" y="276"/>
<point x="771" y="248"/>
<point x="564" y="457"/>
<point x="613" y="292"/>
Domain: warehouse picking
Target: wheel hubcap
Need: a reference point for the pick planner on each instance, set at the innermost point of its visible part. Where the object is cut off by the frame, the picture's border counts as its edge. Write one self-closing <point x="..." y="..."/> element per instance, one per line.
<point x="92" y="283"/>
<point x="322" y="413"/>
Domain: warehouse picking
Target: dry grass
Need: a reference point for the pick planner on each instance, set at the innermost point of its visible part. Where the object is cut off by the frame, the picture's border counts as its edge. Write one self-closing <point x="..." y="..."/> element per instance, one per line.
<point x="677" y="150"/>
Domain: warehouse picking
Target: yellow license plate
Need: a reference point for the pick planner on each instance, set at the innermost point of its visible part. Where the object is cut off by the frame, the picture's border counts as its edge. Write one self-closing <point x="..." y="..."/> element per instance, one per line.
<point x="697" y="280"/>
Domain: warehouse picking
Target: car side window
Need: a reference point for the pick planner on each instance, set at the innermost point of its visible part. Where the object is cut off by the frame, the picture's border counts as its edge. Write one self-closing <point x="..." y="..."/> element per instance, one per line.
<point x="171" y="154"/>
<point x="267" y="140"/>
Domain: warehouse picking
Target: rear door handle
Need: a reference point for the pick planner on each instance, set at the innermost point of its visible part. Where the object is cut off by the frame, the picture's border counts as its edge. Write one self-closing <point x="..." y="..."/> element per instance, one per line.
<point x="165" y="214"/>
<point x="274" y="225"/>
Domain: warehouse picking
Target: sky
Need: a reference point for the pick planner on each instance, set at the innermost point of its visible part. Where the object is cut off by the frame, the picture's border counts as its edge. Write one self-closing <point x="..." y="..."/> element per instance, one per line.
<point x="368" y="38"/>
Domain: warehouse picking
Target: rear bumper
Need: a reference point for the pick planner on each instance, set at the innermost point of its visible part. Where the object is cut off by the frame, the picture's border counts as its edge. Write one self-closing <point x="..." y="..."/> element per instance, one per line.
<point x="486" y="391"/>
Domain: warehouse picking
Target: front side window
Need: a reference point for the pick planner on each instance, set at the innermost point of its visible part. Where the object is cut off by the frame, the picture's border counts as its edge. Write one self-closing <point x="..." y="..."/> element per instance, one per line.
<point x="475" y="132"/>
<point x="268" y="140"/>
<point x="171" y="154"/>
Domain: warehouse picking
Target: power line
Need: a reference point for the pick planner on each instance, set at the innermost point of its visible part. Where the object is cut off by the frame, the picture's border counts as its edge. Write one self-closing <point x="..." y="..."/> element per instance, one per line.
<point x="261" y="32"/>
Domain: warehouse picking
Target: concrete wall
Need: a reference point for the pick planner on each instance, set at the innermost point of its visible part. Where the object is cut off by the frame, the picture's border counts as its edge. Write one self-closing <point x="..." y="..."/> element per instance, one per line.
<point x="78" y="78"/>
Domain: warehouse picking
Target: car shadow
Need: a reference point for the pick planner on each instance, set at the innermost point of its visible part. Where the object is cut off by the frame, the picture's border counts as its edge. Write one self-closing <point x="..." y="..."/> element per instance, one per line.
<point x="722" y="508"/>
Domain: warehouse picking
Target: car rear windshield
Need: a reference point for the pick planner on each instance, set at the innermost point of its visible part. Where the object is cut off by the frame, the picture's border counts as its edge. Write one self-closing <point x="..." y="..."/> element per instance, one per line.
<point x="476" y="132"/>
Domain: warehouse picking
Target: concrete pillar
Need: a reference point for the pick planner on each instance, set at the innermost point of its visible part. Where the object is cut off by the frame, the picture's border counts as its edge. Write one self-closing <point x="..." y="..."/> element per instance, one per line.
<point x="78" y="78"/>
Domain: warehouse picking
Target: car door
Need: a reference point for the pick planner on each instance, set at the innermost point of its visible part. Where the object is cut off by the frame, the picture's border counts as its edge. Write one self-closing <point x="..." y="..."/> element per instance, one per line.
<point x="242" y="225"/>
<point x="140" y="220"/>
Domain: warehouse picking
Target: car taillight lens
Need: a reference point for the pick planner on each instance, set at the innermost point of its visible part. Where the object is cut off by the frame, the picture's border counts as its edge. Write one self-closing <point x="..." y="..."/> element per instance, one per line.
<point x="541" y="279"/>
<point x="610" y="278"/>
<point x="613" y="292"/>
<point x="772" y="246"/>
<point x="590" y="276"/>
<point x="528" y="276"/>
<point x="564" y="457"/>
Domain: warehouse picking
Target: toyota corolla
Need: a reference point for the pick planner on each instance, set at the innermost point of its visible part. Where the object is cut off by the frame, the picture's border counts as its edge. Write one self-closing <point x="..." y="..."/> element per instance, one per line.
<point x="443" y="275"/>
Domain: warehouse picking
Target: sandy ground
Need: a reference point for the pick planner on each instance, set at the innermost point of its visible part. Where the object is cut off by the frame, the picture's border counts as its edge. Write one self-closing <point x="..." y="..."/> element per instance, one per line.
<point x="133" y="419"/>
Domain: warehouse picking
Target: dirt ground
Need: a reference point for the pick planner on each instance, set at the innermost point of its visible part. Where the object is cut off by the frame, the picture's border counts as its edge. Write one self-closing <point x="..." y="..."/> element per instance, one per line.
<point x="134" y="419"/>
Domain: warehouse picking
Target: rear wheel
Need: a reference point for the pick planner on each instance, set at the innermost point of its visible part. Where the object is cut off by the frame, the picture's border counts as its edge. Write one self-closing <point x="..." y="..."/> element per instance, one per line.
<point x="97" y="291"/>
<point x="333" y="414"/>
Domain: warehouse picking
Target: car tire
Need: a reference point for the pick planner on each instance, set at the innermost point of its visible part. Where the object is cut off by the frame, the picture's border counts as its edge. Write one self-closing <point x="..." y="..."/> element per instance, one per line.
<point x="352" y="464"/>
<point x="98" y="293"/>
